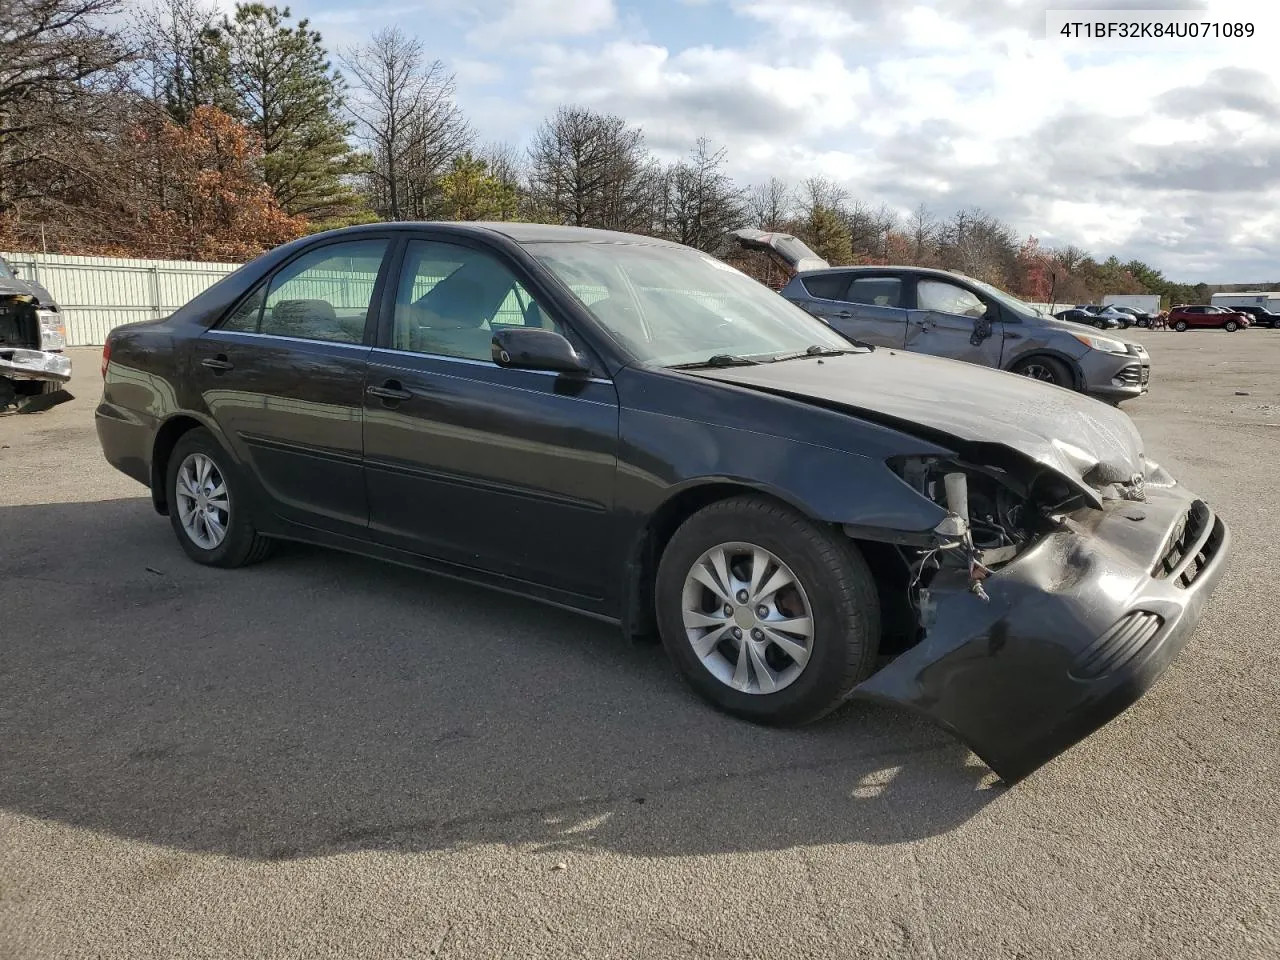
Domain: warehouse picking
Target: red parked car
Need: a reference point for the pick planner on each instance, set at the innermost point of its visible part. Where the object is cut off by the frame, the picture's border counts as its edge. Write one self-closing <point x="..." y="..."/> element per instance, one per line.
<point x="1186" y="317"/>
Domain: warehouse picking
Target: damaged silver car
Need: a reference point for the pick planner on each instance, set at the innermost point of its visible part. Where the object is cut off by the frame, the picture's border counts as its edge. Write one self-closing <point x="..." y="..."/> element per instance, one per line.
<point x="947" y="314"/>
<point x="34" y="368"/>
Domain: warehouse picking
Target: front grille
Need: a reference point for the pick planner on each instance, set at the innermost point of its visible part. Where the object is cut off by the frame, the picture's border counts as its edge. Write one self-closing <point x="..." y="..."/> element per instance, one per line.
<point x="1120" y="644"/>
<point x="1192" y="545"/>
<point x="1132" y="375"/>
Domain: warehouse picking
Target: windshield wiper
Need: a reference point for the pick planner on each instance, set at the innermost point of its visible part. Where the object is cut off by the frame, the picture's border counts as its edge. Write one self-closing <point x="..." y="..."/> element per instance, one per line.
<point x="718" y="360"/>
<point x="817" y="350"/>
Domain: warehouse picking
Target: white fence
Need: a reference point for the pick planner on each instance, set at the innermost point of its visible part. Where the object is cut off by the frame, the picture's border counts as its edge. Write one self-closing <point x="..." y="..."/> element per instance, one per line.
<point x="98" y="293"/>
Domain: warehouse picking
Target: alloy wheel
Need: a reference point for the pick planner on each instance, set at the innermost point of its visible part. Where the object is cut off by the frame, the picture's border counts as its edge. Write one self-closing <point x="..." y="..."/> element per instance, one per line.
<point x="204" y="505"/>
<point x="747" y="618"/>
<point x="1038" y="371"/>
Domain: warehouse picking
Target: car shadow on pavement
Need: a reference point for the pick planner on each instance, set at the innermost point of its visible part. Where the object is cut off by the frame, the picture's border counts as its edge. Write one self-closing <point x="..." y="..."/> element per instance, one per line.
<point x="321" y="703"/>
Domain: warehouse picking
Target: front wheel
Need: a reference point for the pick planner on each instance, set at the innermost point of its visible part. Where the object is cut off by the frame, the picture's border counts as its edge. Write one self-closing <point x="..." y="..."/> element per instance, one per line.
<point x="768" y="615"/>
<point x="1231" y="326"/>
<point x="1046" y="370"/>
<point x="207" y="504"/>
<point x="1181" y="326"/>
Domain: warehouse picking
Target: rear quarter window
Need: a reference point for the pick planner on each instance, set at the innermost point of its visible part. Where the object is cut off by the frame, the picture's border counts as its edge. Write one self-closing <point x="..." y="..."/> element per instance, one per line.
<point x="827" y="286"/>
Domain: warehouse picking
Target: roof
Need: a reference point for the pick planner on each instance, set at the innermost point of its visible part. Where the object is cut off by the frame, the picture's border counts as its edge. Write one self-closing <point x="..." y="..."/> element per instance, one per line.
<point x="887" y="267"/>
<point x="519" y="232"/>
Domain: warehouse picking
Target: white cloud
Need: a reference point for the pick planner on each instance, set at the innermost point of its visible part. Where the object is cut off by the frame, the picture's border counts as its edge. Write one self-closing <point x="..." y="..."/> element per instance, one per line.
<point x="503" y="21"/>
<point x="1170" y="157"/>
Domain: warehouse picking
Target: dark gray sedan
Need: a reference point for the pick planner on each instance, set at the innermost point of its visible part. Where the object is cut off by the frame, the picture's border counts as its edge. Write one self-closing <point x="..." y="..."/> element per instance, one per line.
<point x="947" y="314"/>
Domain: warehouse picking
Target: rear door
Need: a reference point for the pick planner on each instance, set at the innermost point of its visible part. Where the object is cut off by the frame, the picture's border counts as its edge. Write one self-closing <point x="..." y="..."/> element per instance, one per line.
<point x="862" y="306"/>
<point x="952" y="320"/>
<point x="283" y="376"/>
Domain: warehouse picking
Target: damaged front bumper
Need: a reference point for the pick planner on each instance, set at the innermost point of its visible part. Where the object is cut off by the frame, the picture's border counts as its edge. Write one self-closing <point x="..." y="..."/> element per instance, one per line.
<point x="1076" y="629"/>
<point x="17" y="363"/>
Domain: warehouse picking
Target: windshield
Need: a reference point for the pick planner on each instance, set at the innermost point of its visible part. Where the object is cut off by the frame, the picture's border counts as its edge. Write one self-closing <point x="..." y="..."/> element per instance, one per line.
<point x="6" y="272"/>
<point x="672" y="305"/>
<point x="1007" y="299"/>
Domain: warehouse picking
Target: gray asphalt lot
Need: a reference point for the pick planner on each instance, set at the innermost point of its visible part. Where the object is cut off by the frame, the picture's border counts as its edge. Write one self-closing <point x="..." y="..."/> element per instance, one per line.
<point x="323" y="756"/>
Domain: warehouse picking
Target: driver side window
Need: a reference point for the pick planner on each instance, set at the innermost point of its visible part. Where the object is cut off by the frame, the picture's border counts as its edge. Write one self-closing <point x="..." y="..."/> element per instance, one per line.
<point x="451" y="298"/>
<point x="943" y="297"/>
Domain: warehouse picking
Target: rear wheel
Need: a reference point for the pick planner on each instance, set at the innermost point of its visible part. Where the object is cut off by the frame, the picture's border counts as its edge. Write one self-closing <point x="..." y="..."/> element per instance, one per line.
<point x="1046" y="370"/>
<point x="207" y="506"/>
<point x="768" y="616"/>
<point x="1231" y="326"/>
<point x="1181" y="326"/>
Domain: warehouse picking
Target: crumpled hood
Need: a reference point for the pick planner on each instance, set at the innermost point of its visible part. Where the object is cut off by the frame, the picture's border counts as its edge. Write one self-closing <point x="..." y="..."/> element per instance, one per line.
<point x="1089" y="442"/>
<point x="10" y="287"/>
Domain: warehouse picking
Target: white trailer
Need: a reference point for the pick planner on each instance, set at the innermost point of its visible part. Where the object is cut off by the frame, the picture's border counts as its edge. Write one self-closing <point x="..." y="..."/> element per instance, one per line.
<point x="1269" y="299"/>
<point x="1148" y="303"/>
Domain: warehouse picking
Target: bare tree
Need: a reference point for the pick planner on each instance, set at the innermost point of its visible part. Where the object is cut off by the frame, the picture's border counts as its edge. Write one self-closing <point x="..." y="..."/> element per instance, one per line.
<point x="980" y="245"/>
<point x="179" y="64"/>
<point x="590" y="169"/>
<point x="769" y="205"/>
<point x="819" y="193"/>
<point x="1069" y="257"/>
<point x="59" y="65"/>
<point x="702" y="202"/>
<point x="922" y="228"/>
<point x="404" y="112"/>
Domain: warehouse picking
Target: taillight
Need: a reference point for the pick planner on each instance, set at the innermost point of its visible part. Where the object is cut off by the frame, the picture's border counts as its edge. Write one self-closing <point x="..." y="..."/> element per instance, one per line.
<point x="106" y="357"/>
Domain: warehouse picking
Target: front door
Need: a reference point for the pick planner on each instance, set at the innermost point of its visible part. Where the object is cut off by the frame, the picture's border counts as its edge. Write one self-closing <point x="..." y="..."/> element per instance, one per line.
<point x="508" y="471"/>
<point x="952" y="321"/>
<point x="283" y="376"/>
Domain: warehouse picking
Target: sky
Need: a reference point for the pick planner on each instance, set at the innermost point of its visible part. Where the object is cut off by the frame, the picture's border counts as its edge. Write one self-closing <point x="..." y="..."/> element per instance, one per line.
<point x="1169" y="154"/>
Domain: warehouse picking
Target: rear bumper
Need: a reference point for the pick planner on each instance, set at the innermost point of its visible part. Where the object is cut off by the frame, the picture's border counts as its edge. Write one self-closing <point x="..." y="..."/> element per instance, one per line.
<point x="1077" y="629"/>
<point x="126" y="440"/>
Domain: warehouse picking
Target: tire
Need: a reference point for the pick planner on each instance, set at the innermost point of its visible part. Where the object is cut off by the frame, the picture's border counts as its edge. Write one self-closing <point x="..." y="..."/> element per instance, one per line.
<point x="1181" y="326"/>
<point x="240" y="544"/>
<point x="836" y="587"/>
<point x="1231" y="326"/>
<point x="1144" y="323"/>
<point x="1275" y="324"/>
<point x="1045" y="370"/>
<point x="1101" y="326"/>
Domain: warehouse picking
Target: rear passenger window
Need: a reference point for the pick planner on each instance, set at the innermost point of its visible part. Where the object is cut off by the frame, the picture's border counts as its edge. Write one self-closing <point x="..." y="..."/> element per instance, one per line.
<point x="324" y="294"/>
<point x="827" y="286"/>
<point x="877" y="291"/>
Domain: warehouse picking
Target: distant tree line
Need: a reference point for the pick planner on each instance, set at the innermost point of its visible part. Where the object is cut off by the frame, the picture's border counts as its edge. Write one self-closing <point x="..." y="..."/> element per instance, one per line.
<point x="163" y="128"/>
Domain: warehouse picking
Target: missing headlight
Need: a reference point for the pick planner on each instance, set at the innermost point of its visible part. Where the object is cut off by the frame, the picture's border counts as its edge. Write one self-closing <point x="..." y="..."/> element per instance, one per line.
<point x="995" y="510"/>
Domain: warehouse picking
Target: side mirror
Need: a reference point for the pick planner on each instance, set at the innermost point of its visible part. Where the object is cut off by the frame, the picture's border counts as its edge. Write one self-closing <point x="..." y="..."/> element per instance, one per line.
<point x="982" y="327"/>
<point x="534" y="348"/>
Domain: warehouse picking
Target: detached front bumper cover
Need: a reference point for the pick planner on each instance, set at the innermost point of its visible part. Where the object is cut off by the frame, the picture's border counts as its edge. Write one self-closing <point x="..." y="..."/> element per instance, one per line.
<point x="19" y="364"/>
<point x="1077" y="629"/>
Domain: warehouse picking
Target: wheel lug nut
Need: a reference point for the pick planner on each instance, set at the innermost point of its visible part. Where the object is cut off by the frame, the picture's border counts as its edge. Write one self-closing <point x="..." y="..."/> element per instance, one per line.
<point x="757" y="635"/>
<point x="737" y="633"/>
<point x="742" y="596"/>
<point x="728" y="610"/>
<point x="762" y="611"/>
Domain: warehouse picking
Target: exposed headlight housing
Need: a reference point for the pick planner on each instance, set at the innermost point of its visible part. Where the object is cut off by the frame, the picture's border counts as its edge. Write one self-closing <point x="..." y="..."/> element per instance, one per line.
<point x="53" y="330"/>
<point x="1105" y="344"/>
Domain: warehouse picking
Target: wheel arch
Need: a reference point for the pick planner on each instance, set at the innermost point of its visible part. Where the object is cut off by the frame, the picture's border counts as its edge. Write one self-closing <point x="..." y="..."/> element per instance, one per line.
<point x="645" y="550"/>
<point x="167" y="437"/>
<point x="1048" y="353"/>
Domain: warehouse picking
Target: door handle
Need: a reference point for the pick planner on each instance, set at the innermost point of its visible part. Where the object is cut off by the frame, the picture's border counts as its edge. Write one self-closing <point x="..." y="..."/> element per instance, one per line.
<point x="391" y="390"/>
<point x="220" y="362"/>
<point x="845" y="315"/>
